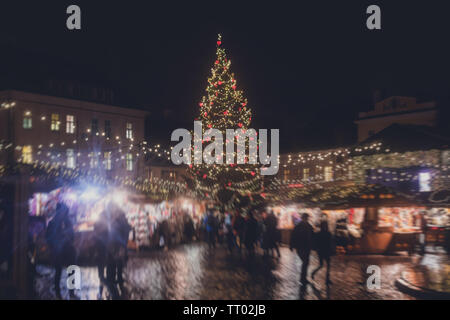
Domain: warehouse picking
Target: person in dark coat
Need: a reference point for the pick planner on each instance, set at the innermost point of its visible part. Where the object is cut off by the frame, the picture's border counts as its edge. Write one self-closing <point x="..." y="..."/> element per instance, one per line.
<point x="423" y="235"/>
<point x="101" y="229"/>
<point x="271" y="234"/>
<point x="189" y="229"/>
<point x="117" y="245"/>
<point x="251" y="234"/>
<point x="324" y="249"/>
<point x="239" y="229"/>
<point x="211" y="229"/>
<point x="301" y="240"/>
<point x="60" y="237"/>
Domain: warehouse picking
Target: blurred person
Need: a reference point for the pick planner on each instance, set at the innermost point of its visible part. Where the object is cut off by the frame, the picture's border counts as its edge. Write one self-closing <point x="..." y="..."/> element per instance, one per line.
<point x="271" y="235"/>
<point x="117" y="245"/>
<point x="211" y="229"/>
<point x="189" y="229"/>
<point x="324" y="249"/>
<point x="239" y="229"/>
<point x="251" y="234"/>
<point x="231" y="241"/>
<point x="423" y="234"/>
<point x="301" y="240"/>
<point x="101" y="229"/>
<point x="60" y="237"/>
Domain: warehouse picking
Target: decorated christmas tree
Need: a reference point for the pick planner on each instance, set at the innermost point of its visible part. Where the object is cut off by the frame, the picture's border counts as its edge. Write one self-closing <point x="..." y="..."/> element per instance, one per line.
<point x="225" y="107"/>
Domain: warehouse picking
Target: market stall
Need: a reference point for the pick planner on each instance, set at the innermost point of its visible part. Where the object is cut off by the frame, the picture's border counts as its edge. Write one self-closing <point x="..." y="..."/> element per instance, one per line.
<point x="85" y="208"/>
<point x="366" y="219"/>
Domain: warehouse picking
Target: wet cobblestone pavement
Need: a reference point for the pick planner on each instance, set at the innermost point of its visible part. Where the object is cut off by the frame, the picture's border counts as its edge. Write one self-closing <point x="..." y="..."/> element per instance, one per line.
<point x="193" y="271"/>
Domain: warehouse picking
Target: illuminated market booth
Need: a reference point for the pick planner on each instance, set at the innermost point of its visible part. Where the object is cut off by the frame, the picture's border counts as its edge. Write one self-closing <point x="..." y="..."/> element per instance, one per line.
<point x="87" y="203"/>
<point x="28" y="197"/>
<point x="365" y="218"/>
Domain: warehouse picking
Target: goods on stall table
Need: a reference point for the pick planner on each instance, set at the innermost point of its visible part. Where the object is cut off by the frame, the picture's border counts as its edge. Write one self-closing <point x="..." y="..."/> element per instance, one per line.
<point x="401" y="219"/>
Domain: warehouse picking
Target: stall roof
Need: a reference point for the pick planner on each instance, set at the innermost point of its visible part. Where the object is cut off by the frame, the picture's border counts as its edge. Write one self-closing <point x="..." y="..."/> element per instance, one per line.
<point x="407" y="137"/>
<point x="371" y="195"/>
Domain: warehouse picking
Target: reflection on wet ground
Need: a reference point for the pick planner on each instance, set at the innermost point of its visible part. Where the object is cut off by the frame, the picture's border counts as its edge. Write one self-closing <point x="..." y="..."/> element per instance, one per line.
<point x="193" y="271"/>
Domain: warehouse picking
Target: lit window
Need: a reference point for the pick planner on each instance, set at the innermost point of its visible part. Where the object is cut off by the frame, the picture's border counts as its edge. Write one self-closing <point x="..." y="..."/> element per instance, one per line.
<point x="129" y="162"/>
<point x="27" y="154"/>
<point x="129" y="132"/>
<point x="27" y="120"/>
<point x="54" y="126"/>
<point x="286" y="174"/>
<point x="305" y="173"/>
<point x="70" y="124"/>
<point x="350" y="172"/>
<point x="108" y="163"/>
<point x="93" y="162"/>
<point x="424" y="182"/>
<point x="328" y="173"/>
<point x="71" y="161"/>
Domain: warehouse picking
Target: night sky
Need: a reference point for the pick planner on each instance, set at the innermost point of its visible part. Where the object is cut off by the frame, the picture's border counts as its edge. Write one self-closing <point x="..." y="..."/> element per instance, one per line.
<point x="306" y="69"/>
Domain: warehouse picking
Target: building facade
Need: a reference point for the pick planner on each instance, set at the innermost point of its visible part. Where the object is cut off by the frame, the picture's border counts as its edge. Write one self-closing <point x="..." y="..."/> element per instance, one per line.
<point x="400" y="110"/>
<point x="328" y="167"/>
<point x="94" y="137"/>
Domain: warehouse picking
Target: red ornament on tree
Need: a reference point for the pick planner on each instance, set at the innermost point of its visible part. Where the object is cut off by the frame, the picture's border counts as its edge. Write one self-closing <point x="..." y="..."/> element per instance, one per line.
<point x="219" y="43"/>
<point x="240" y="125"/>
<point x="234" y="87"/>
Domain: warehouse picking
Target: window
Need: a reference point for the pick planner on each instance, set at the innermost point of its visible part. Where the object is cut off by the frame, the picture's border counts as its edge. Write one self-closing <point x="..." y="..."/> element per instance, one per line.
<point x="108" y="129"/>
<point x="70" y="124"/>
<point x="424" y="181"/>
<point x="93" y="162"/>
<point x="94" y="126"/>
<point x="129" y="162"/>
<point x="27" y="120"/>
<point x="27" y="154"/>
<point x="305" y="173"/>
<point x="328" y="173"/>
<point x="129" y="132"/>
<point x="108" y="163"/>
<point x="170" y="175"/>
<point x="71" y="161"/>
<point x="54" y="125"/>
<point x="286" y="174"/>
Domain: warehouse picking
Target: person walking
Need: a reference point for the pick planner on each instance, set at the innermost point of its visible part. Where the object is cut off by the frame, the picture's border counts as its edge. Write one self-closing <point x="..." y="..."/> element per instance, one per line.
<point x="239" y="229"/>
<point x="324" y="249"/>
<point x="271" y="234"/>
<point x="211" y="229"/>
<point x="423" y="235"/>
<point x="60" y="237"/>
<point x="301" y="240"/>
<point x="189" y="230"/>
<point x="251" y="234"/>
<point x="101" y="229"/>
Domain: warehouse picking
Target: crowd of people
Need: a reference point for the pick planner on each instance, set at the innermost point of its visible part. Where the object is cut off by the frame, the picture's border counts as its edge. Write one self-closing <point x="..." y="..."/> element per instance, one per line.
<point x="111" y="251"/>
<point x="249" y="234"/>
<point x="260" y="230"/>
